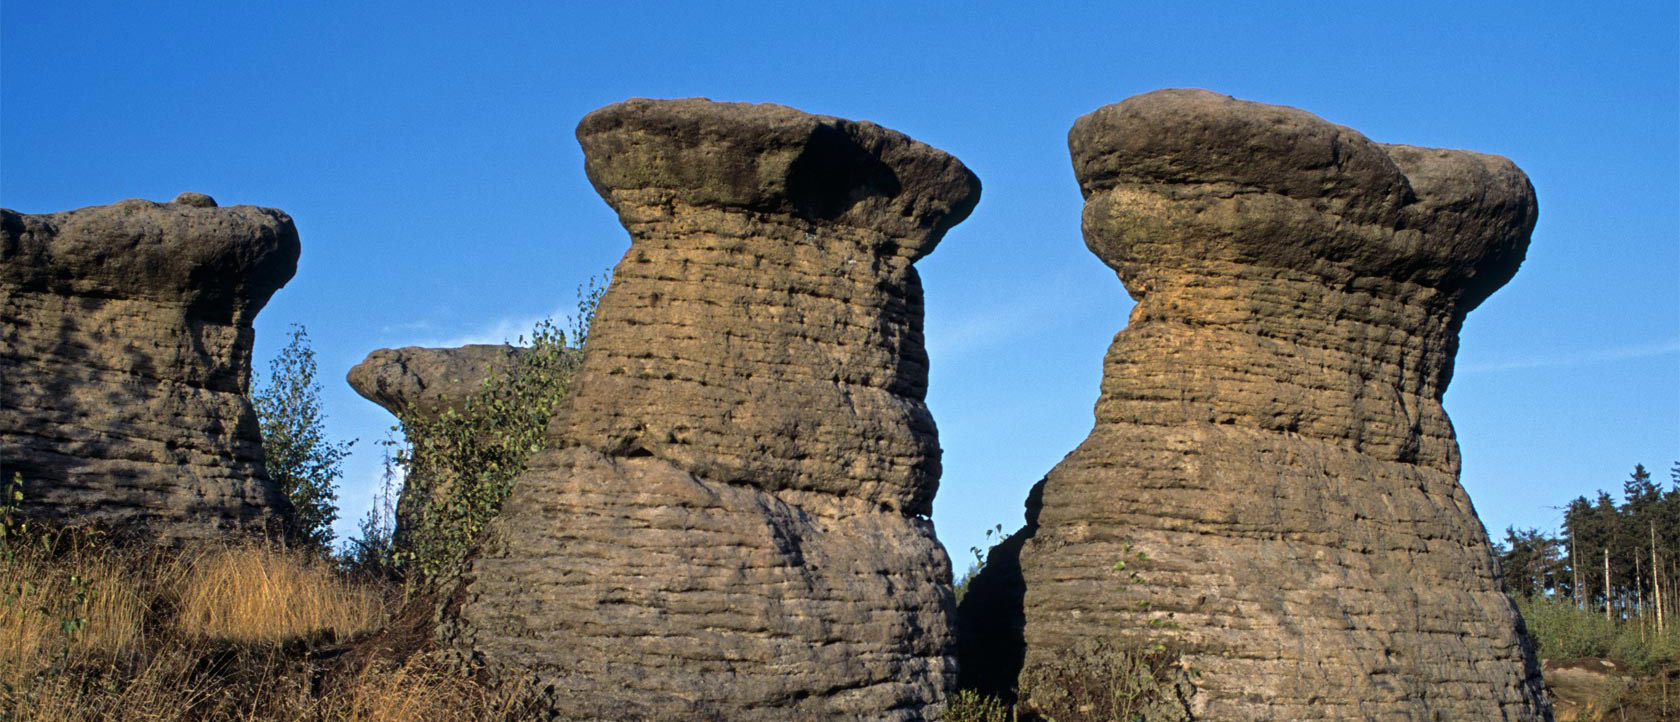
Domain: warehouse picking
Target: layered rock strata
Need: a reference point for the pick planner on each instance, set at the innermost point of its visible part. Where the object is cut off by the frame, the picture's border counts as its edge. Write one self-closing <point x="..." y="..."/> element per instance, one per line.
<point x="731" y="519"/>
<point x="125" y="363"/>
<point x="1271" y="486"/>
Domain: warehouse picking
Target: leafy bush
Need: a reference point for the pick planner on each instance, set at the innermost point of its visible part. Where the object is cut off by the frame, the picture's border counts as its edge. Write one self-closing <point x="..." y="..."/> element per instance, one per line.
<point x="1562" y="630"/>
<point x="298" y="456"/>
<point x="460" y="465"/>
<point x="968" y="705"/>
<point x="1101" y="682"/>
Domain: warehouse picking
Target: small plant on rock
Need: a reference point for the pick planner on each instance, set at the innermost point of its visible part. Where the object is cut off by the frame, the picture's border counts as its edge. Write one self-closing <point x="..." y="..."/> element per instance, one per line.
<point x="14" y="526"/>
<point x="979" y="561"/>
<point x="1102" y="682"/>
<point x="968" y="705"/>
<point x="459" y="466"/>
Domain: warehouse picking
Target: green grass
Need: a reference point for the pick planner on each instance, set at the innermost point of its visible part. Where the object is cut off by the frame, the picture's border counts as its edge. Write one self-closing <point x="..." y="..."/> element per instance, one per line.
<point x="1564" y="631"/>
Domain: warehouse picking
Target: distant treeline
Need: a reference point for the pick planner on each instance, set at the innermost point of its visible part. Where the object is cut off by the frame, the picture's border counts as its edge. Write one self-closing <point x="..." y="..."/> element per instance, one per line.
<point x="1616" y="558"/>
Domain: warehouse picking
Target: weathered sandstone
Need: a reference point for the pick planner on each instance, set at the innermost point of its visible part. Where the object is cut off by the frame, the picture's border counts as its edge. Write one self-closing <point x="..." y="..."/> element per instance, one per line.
<point x="1270" y="457"/>
<point x="730" y="521"/>
<point x="415" y="382"/>
<point x="125" y="363"/>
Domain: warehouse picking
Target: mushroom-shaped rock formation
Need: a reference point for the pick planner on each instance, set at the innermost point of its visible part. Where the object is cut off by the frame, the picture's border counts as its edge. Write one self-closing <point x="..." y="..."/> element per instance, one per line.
<point x="125" y="363"/>
<point x="730" y="520"/>
<point x="1271" y="487"/>
<point x="414" y="382"/>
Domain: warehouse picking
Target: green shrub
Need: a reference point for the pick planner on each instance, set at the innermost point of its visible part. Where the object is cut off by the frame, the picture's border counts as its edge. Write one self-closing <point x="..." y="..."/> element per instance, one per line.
<point x="1562" y="630"/>
<point x="297" y="454"/>
<point x="460" y="465"/>
<point x="1101" y="682"/>
<point x="968" y="705"/>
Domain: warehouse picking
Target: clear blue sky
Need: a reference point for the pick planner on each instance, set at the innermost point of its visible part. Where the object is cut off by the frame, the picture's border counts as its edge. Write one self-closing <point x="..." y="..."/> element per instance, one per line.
<point x="426" y="153"/>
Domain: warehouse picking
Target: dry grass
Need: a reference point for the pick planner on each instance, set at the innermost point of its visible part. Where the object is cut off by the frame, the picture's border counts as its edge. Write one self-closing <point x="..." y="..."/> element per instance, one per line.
<point x="169" y="685"/>
<point x="50" y="612"/>
<point x="240" y="633"/>
<point x="173" y="687"/>
<point x="252" y="594"/>
<point x="66" y="606"/>
<point x="422" y="689"/>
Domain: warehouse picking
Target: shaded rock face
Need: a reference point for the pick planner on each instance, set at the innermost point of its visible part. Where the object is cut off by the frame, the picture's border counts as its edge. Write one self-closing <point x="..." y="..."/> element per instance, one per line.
<point x="417" y="384"/>
<point x="125" y="363"/>
<point x="730" y="521"/>
<point x="1270" y="456"/>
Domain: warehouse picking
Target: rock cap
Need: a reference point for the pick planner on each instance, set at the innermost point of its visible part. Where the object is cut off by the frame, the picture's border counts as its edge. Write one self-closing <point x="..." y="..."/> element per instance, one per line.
<point x="775" y="159"/>
<point x="428" y="381"/>
<point x="222" y="263"/>
<point x="1280" y="186"/>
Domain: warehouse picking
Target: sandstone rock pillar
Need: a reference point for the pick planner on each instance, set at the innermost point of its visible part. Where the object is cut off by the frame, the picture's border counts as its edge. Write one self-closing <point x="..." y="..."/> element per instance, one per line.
<point x="731" y="520"/>
<point x="125" y="363"/>
<point x="1270" y="457"/>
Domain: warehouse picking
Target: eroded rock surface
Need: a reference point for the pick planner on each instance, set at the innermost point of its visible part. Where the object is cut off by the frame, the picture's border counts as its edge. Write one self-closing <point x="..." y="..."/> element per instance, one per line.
<point x="415" y="382"/>
<point x="125" y="363"/>
<point x="731" y="519"/>
<point x="1270" y="457"/>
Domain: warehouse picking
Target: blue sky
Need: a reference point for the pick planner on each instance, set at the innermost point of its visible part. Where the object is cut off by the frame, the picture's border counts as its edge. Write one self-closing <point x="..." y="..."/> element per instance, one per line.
<point x="425" y="151"/>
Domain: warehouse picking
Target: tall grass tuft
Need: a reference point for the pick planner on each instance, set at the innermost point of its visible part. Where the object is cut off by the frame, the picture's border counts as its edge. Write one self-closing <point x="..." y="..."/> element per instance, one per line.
<point x="62" y="611"/>
<point x="252" y="594"/>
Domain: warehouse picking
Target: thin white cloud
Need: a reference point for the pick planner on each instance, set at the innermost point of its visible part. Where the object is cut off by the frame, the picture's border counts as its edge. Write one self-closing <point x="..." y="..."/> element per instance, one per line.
<point x="410" y="327"/>
<point x="507" y="329"/>
<point x="977" y="331"/>
<point x="1000" y="322"/>
<point x="1590" y="358"/>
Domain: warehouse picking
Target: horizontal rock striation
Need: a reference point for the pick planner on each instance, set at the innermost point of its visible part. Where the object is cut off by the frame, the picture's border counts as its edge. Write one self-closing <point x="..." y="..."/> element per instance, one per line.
<point x="1270" y="456"/>
<point x="125" y="363"/>
<point x="730" y="521"/>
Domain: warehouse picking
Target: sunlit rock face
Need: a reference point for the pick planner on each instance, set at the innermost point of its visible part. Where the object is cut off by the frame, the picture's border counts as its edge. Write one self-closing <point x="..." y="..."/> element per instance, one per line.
<point x="125" y="363"/>
<point x="419" y="383"/>
<point x="1270" y="457"/>
<point x="730" y="521"/>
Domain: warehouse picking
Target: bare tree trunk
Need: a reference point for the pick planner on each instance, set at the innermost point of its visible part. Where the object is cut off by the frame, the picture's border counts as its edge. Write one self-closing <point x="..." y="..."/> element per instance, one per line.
<point x="1656" y="579"/>
<point x="1639" y="601"/>
<point x="1607" y="584"/>
<point x="1575" y="570"/>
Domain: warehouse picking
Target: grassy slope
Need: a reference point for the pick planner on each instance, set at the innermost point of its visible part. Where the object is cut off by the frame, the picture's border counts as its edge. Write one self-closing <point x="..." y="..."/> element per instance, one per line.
<point x="236" y="633"/>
